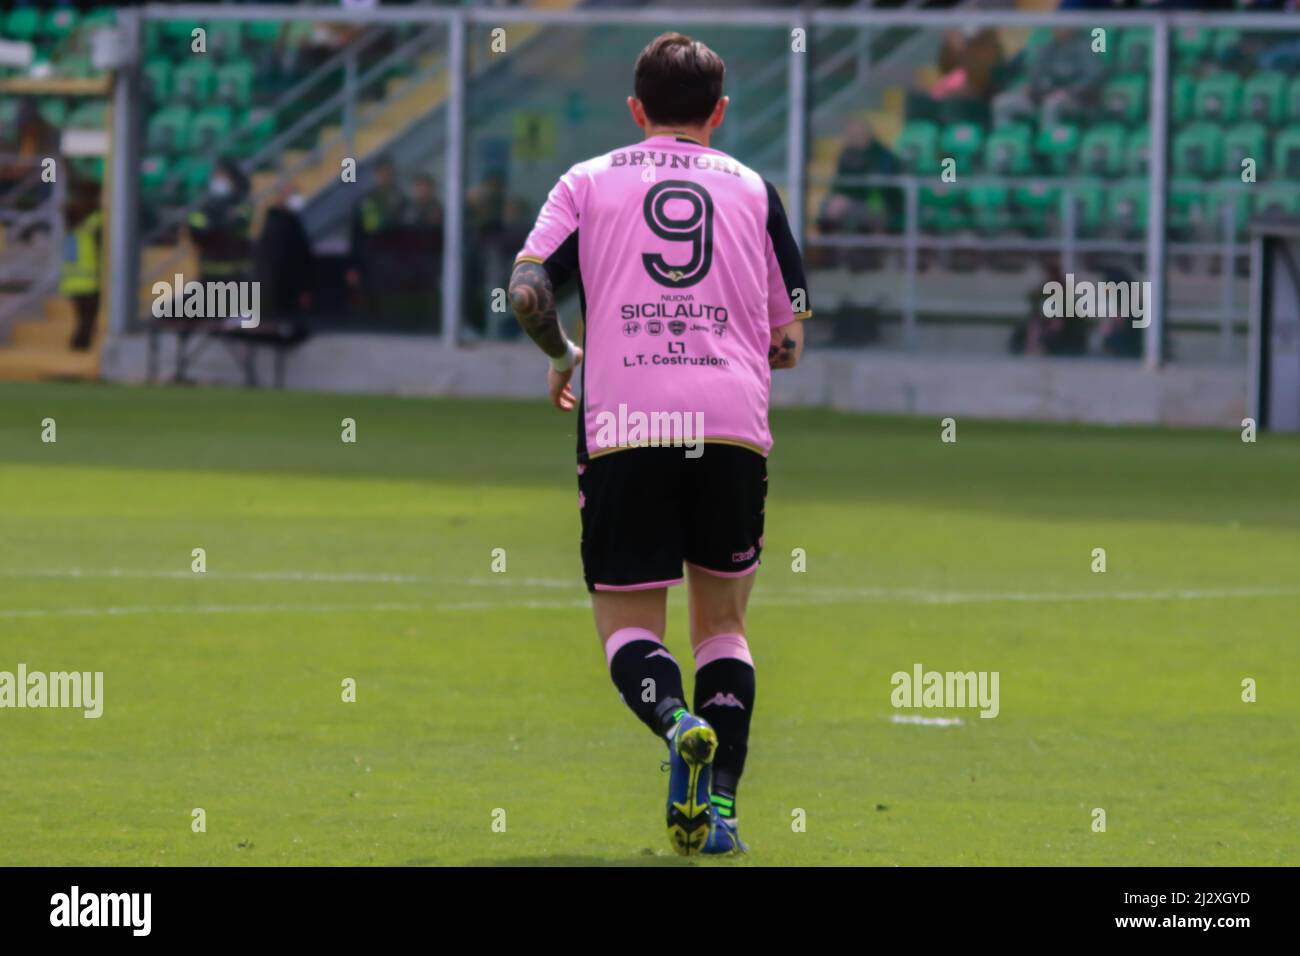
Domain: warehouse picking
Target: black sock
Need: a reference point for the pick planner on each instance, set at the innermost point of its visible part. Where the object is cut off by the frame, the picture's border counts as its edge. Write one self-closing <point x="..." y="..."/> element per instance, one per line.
<point x="724" y="696"/>
<point x="660" y="704"/>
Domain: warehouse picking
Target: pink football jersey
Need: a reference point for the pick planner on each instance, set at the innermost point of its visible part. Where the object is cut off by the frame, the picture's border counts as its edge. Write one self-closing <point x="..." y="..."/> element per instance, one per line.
<point x="685" y="264"/>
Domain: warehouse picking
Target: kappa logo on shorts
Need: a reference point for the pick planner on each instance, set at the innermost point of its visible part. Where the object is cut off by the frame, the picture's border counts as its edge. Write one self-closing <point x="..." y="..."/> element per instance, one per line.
<point x="722" y="700"/>
<point x="738" y="556"/>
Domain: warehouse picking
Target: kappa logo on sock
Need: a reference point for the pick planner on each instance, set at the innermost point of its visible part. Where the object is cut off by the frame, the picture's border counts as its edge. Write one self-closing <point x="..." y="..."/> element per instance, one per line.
<point x="722" y="700"/>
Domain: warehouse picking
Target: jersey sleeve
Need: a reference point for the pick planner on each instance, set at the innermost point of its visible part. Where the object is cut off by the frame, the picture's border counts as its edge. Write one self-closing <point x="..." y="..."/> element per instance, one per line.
<point x="787" y="286"/>
<point x="553" y="242"/>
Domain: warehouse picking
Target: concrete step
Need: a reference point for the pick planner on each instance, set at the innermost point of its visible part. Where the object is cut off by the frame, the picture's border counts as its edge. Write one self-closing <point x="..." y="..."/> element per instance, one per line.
<point x="49" y="333"/>
<point x="31" y="363"/>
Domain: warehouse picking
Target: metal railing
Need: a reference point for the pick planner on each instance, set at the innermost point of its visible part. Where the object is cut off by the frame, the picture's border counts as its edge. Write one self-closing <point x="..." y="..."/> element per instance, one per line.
<point x="456" y="20"/>
<point x="34" y="234"/>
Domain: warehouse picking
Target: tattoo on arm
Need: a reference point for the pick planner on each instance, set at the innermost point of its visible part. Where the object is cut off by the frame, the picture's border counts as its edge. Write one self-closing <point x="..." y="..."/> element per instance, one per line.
<point x="532" y="297"/>
<point x="779" y="355"/>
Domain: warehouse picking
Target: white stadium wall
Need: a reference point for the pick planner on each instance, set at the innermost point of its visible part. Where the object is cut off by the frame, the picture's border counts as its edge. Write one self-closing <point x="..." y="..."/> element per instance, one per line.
<point x="1049" y="389"/>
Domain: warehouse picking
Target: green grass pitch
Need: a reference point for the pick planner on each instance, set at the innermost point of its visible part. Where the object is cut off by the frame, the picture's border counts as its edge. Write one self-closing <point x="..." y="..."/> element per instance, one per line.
<point x="480" y="691"/>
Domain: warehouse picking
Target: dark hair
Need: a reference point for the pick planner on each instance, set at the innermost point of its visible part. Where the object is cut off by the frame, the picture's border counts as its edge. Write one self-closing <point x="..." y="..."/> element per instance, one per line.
<point x="678" y="80"/>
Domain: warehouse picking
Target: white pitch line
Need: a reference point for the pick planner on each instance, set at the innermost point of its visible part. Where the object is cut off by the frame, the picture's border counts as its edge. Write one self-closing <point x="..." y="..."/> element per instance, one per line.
<point x="926" y="721"/>
<point x="324" y="577"/>
<point x="919" y="596"/>
<point x="805" y="596"/>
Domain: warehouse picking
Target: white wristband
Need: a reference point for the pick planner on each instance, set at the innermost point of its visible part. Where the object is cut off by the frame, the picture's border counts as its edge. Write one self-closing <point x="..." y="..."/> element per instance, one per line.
<point x="566" y="361"/>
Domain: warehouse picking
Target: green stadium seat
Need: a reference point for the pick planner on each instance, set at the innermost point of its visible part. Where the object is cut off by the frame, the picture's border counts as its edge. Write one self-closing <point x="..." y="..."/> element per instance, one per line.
<point x="169" y="130"/>
<point x="1185" y="213"/>
<point x="258" y="131"/>
<point x="1225" y="46"/>
<point x="1218" y="98"/>
<point x="1191" y="44"/>
<point x="1293" y="99"/>
<point x="211" y="128"/>
<point x="1125" y="99"/>
<point x="93" y="115"/>
<point x="942" y="209"/>
<point x="154" y="171"/>
<point x="962" y="142"/>
<point x="23" y="23"/>
<point x="1263" y="98"/>
<point x="99" y="18"/>
<point x="1197" y="151"/>
<point x="1135" y="51"/>
<point x="1275" y="200"/>
<point x="89" y="168"/>
<point x="1058" y="146"/>
<point x="194" y="81"/>
<point x="157" y="77"/>
<point x="53" y="109"/>
<point x="60" y="22"/>
<point x="1217" y="205"/>
<point x="1286" y="156"/>
<point x="1101" y="151"/>
<point x="75" y="65"/>
<point x="9" y="110"/>
<point x="180" y="35"/>
<point x="1006" y="151"/>
<point x="1137" y="152"/>
<point x="234" y="84"/>
<point x="194" y="175"/>
<point x="1089" y="208"/>
<point x="1126" y="208"/>
<point x="1244" y="141"/>
<point x="1182" y="95"/>
<point x="990" y="208"/>
<point x="263" y="32"/>
<point x="225" y="39"/>
<point x="917" y="146"/>
<point x="1037" y="206"/>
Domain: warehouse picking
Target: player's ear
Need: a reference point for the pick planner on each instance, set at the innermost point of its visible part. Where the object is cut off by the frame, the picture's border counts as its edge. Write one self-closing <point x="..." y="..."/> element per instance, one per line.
<point x="716" y="119"/>
<point x="637" y="110"/>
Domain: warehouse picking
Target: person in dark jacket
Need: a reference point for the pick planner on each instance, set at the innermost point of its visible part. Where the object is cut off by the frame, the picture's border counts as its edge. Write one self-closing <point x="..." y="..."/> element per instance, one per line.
<point x="221" y="228"/>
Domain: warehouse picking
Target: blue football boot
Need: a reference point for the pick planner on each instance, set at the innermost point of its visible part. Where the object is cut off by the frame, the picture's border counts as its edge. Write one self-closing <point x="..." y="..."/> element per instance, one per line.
<point x="691" y="746"/>
<point x="723" y="837"/>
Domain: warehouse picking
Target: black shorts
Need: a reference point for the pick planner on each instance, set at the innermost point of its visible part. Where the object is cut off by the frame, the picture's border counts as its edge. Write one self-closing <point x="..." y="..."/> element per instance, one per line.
<point x="646" y="510"/>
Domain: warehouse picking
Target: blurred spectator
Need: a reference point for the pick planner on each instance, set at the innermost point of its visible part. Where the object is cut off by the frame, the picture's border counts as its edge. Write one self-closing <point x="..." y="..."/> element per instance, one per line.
<point x="32" y="138"/>
<point x="425" y="209"/>
<point x="1119" y="338"/>
<point x="485" y="220"/>
<point x="1040" y="335"/>
<point x="380" y="209"/>
<point x="971" y="62"/>
<point x="82" y="248"/>
<point x="1063" y="79"/>
<point x="853" y="206"/>
<point x="285" y="263"/>
<point x="221" y="228"/>
<point x="485" y="206"/>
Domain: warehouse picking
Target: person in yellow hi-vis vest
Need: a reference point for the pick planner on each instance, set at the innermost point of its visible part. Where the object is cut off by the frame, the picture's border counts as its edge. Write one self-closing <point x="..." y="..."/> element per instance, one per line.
<point x="79" y="279"/>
